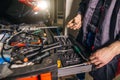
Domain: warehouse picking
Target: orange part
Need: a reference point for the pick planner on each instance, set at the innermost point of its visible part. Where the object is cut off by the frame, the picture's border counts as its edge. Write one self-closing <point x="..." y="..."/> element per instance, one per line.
<point x="20" y="44"/>
<point x="13" y="43"/>
<point x="36" y="8"/>
<point x="26" y="2"/>
<point x="29" y="78"/>
<point x="38" y="42"/>
<point x="46" y="76"/>
<point x="29" y="3"/>
<point x="22" y="1"/>
<point x="25" y="59"/>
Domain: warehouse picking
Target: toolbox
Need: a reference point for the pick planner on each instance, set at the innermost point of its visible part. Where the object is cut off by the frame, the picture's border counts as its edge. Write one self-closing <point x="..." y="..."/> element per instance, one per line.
<point x="26" y="53"/>
<point x="62" y="56"/>
<point x="72" y="57"/>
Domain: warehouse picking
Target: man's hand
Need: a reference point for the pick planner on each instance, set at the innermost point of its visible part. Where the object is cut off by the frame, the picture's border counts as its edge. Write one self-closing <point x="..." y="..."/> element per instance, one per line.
<point x="105" y="55"/>
<point x="75" y="23"/>
<point x="101" y="57"/>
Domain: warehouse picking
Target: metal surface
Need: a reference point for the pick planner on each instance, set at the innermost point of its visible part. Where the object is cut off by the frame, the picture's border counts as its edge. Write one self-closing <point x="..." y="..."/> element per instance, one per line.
<point x="48" y="64"/>
<point x="4" y="71"/>
<point x="70" y="70"/>
<point x="68" y="6"/>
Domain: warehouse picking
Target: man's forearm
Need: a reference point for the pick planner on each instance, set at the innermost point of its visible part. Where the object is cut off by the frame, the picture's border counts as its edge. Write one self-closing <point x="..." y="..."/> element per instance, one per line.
<point x="103" y="56"/>
<point x="115" y="47"/>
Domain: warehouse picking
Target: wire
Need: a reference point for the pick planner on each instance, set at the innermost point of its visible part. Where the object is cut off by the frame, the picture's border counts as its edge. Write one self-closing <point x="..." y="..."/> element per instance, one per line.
<point x="6" y="30"/>
<point x="2" y="37"/>
<point x="13" y="36"/>
<point x="2" y="55"/>
<point x="8" y="41"/>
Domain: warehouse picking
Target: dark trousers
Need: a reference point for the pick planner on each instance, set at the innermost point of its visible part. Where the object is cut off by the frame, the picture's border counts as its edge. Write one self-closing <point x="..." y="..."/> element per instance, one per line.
<point x="107" y="72"/>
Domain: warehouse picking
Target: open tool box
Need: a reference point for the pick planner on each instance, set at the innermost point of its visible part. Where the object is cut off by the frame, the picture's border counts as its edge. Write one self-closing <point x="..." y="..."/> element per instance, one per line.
<point x="34" y="51"/>
<point x="72" y="57"/>
<point x="27" y="52"/>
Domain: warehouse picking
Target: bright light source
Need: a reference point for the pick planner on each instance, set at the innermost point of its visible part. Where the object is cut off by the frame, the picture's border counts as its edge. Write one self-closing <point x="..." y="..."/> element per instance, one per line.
<point x="42" y="5"/>
<point x="35" y="12"/>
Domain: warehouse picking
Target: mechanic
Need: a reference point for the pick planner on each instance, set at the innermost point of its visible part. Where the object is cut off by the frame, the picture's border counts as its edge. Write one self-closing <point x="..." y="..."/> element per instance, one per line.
<point x="99" y="24"/>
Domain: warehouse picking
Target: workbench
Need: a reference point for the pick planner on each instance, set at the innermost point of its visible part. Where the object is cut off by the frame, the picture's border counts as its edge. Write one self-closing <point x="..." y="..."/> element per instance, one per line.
<point x="75" y="69"/>
<point x="49" y="66"/>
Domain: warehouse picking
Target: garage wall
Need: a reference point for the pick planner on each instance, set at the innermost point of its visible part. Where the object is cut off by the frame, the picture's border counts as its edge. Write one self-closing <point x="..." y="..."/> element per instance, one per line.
<point x="71" y="8"/>
<point x="71" y="11"/>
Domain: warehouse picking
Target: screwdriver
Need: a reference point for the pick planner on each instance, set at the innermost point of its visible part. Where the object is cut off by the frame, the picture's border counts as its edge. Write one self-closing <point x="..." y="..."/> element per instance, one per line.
<point x="77" y="47"/>
<point x="77" y="50"/>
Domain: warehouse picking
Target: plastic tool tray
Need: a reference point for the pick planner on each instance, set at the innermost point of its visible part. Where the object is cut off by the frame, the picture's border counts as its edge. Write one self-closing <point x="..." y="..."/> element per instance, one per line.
<point x="71" y="57"/>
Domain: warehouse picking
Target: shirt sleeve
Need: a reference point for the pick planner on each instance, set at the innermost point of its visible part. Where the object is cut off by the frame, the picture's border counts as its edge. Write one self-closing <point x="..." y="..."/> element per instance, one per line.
<point x="83" y="7"/>
<point x="119" y="36"/>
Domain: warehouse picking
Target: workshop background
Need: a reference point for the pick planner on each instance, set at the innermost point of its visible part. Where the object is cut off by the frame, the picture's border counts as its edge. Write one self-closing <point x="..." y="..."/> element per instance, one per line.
<point x="23" y="25"/>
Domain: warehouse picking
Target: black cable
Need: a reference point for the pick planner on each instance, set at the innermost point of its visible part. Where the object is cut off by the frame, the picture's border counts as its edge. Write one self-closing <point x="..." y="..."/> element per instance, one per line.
<point x="30" y="45"/>
<point x="2" y="37"/>
<point x="2" y="45"/>
<point x="2" y="55"/>
<point x="21" y="32"/>
<point x="6" y="30"/>
<point x="8" y="48"/>
<point x="8" y="41"/>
